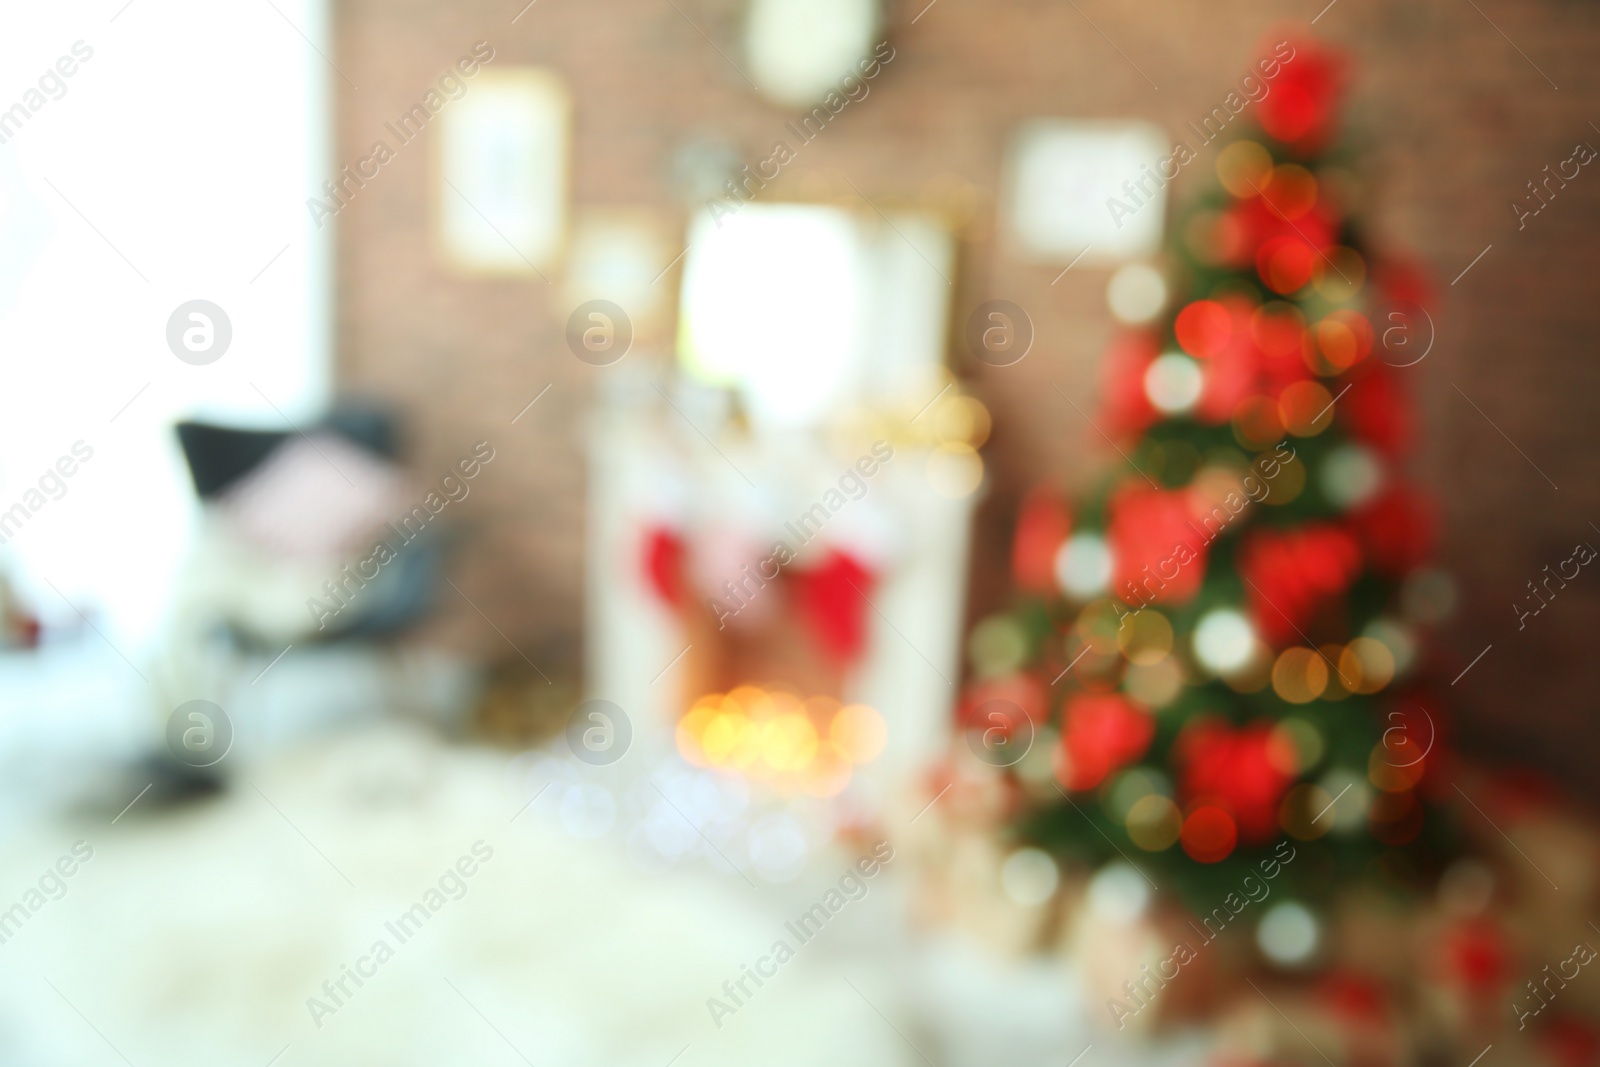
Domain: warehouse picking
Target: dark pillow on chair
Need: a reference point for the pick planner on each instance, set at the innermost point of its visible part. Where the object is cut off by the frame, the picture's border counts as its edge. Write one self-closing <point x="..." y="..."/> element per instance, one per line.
<point x="218" y="456"/>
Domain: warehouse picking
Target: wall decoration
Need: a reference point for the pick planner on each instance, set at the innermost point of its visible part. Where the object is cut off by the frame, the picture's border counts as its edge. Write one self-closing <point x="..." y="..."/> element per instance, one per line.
<point x="502" y="196"/>
<point x="800" y="50"/>
<point x="623" y="255"/>
<point x="802" y="308"/>
<point x="1080" y="188"/>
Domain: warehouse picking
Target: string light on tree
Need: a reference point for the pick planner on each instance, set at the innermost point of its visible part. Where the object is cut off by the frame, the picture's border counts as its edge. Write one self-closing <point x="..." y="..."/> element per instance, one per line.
<point x="1083" y="566"/>
<point x="1224" y="641"/>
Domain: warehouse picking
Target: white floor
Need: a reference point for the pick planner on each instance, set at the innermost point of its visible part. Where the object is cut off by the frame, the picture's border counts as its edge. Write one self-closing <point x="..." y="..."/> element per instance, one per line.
<point x="606" y="918"/>
<point x="198" y="937"/>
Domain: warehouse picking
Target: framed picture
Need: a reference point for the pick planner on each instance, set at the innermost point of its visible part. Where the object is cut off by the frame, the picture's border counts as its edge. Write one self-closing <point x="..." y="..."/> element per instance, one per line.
<point x="503" y="170"/>
<point x="1085" y="188"/>
<point x="803" y="51"/>
<point x="623" y="255"/>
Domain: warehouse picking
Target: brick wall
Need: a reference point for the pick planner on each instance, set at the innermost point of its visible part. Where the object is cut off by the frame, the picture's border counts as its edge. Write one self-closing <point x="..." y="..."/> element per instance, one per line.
<point x="1457" y="119"/>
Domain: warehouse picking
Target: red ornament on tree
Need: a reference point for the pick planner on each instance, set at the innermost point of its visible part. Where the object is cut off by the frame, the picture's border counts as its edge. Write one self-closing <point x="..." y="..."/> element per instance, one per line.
<point x="1301" y="109"/>
<point x="1397" y="530"/>
<point x="1376" y="411"/>
<point x="1288" y="575"/>
<point x="1146" y="530"/>
<point x="1126" y="408"/>
<point x="1041" y="527"/>
<point x="1244" y="772"/>
<point x="1104" y="731"/>
<point x="1203" y="329"/>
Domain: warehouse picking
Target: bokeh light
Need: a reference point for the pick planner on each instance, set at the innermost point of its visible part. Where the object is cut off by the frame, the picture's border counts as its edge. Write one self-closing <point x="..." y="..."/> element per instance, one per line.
<point x="1137" y="293"/>
<point x="1029" y="877"/>
<point x="1278" y="329"/>
<point x="1145" y="638"/>
<point x="792" y="745"/>
<point x="1289" y="934"/>
<point x="1154" y="685"/>
<point x="1173" y="383"/>
<point x="1285" y="263"/>
<point x="1351" y="475"/>
<point x="1209" y="834"/>
<point x="997" y="646"/>
<point x="1343" y="339"/>
<point x="1154" y="823"/>
<point x="858" y="733"/>
<point x="1306" y="408"/>
<point x="962" y="420"/>
<point x="1299" y="675"/>
<point x="1244" y="168"/>
<point x="1339" y="276"/>
<point x="1083" y="565"/>
<point x="1224" y="640"/>
<point x="1203" y="329"/>
<point x="954" y="469"/>
<point x="1367" y="664"/>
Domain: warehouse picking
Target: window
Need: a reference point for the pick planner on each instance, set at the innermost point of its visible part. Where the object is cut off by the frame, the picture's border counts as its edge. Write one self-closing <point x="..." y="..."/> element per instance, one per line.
<point x="151" y="154"/>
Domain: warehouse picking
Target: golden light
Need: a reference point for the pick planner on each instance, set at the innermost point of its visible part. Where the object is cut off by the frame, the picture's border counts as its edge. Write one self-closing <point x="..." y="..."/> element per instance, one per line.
<point x="1155" y="686"/>
<point x="1340" y="682"/>
<point x="1299" y="675"/>
<point x="691" y="730"/>
<point x="1255" y="675"/>
<point x="721" y="735"/>
<point x="1154" y="823"/>
<point x="962" y="420"/>
<point x="1339" y="277"/>
<point x="794" y="745"/>
<point x="1306" y="408"/>
<point x="825" y="776"/>
<point x="1343" y="339"/>
<point x="789" y="742"/>
<point x="858" y="733"/>
<point x="1098" y="625"/>
<point x="1244" y="167"/>
<point x="752" y="702"/>
<point x="954" y="470"/>
<point x="1368" y="664"/>
<point x="1146" y="638"/>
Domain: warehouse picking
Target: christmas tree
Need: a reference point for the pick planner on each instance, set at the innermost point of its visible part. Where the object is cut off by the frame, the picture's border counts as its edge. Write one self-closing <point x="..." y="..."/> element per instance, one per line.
<point x="1218" y="651"/>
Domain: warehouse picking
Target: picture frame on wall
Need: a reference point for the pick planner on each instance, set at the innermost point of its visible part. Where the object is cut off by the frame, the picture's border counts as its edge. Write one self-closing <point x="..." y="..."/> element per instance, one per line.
<point x="1065" y="195"/>
<point x="619" y="254"/>
<point x="504" y="173"/>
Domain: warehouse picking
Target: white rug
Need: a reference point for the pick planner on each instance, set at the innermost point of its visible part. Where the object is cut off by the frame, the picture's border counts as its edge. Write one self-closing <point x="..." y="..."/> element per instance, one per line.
<point x="200" y="936"/>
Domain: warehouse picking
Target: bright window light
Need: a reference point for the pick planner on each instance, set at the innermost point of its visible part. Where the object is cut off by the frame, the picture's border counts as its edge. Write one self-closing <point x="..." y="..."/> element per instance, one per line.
<point x="172" y="164"/>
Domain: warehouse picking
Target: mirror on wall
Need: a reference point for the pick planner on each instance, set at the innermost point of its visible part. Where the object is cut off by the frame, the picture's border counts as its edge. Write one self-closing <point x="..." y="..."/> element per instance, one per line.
<point x="801" y="309"/>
